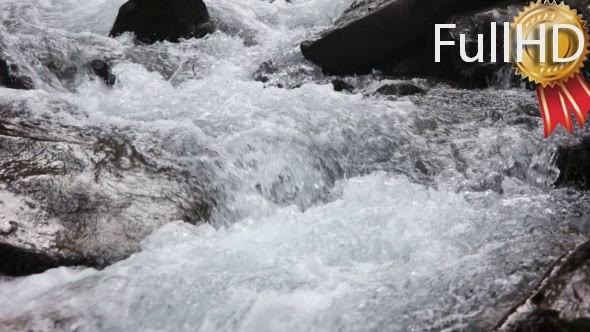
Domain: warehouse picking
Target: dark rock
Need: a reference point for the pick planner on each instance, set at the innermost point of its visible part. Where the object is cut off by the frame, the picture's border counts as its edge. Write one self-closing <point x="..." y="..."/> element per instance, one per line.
<point x="159" y="20"/>
<point x="399" y="89"/>
<point x="103" y="71"/>
<point x="409" y="52"/>
<point x="561" y="302"/>
<point x="10" y="78"/>
<point x="477" y="74"/>
<point x="371" y="34"/>
<point x="452" y="69"/>
<point x="340" y="85"/>
<point x="573" y="162"/>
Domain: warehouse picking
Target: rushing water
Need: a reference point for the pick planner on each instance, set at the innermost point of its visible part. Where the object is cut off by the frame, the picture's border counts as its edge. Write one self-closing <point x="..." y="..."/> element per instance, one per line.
<point x="336" y="211"/>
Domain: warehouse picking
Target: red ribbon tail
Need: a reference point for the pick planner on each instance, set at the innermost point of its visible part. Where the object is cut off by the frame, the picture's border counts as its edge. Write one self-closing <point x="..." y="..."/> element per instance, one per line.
<point x="556" y="103"/>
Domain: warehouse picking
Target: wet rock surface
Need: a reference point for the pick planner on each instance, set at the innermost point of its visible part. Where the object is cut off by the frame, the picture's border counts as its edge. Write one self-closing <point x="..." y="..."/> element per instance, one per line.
<point x="371" y="34"/>
<point x="573" y="161"/>
<point x="10" y="78"/>
<point x="158" y="20"/>
<point x="561" y="302"/>
<point x="82" y="195"/>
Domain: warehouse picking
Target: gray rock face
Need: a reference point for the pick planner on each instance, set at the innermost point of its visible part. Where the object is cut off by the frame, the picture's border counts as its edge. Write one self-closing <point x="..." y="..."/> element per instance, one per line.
<point x="373" y="33"/>
<point x="561" y="302"/>
<point x="158" y="20"/>
<point x="83" y="195"/>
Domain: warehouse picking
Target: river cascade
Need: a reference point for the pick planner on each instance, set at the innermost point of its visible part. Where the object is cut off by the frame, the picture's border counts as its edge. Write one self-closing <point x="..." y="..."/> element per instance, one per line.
<point x="221" y="183"/>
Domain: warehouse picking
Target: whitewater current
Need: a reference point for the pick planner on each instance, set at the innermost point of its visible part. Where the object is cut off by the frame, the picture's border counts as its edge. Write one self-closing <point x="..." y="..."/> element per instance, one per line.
<point x="336" y="211"/>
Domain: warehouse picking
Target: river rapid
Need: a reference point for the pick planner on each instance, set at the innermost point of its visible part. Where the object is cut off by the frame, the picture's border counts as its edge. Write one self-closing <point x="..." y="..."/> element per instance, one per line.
<point x="334" y="211"/>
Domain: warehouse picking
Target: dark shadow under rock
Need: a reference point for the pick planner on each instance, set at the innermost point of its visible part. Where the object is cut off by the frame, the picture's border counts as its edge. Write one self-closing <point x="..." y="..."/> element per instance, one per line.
<point x="17" y="261"/>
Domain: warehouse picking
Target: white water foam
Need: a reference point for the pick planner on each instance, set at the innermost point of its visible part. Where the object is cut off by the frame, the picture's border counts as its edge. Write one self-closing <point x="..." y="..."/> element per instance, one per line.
<point x="321" y="228"/>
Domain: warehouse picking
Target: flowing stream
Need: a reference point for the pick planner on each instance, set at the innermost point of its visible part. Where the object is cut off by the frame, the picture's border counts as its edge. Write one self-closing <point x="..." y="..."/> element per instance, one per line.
<point x="334" y="211"/>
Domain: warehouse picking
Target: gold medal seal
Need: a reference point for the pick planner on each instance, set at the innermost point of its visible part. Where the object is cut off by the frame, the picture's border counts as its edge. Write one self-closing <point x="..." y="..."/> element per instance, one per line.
<point x="561" y="86"/>
<point x="550" y="14"/>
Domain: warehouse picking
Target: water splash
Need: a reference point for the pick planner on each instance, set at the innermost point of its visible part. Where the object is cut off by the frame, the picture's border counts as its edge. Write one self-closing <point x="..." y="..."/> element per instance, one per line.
<point x="333" y="211"/>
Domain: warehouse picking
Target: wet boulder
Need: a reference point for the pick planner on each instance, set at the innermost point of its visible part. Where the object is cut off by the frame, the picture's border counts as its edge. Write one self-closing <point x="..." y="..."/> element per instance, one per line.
<point x="471" y="24"/>
<point x="75" y="194"/>
<point x="372" y="34"/>
<point x="159" y="20"/>
<point x="286" y="72"/>
<point x="583" y="7"/>
<point x="561" y="301"/>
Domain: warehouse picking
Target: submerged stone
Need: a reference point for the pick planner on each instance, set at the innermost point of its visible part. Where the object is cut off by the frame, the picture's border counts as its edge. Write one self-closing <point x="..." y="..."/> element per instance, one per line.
<point x="103" y="71"/>
<point x="10" y="78"/>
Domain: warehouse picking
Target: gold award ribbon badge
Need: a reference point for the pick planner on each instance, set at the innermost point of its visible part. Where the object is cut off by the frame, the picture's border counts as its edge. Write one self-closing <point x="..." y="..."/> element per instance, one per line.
<point x="555" y="69"/>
